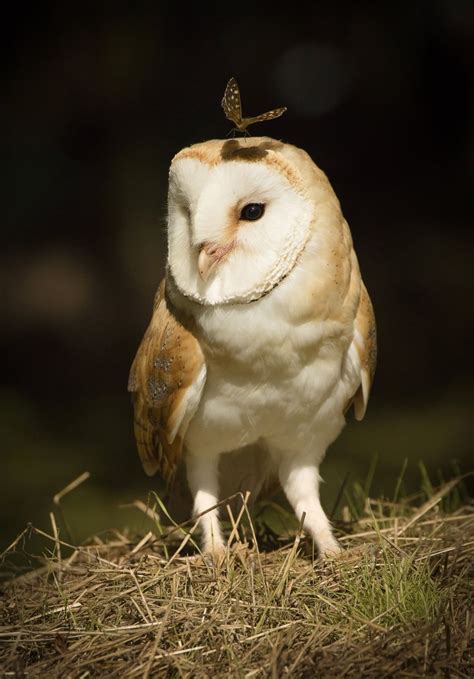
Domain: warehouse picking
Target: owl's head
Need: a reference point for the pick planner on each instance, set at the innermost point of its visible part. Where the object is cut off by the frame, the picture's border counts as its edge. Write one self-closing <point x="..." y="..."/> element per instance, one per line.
<point x="240" y="213"/>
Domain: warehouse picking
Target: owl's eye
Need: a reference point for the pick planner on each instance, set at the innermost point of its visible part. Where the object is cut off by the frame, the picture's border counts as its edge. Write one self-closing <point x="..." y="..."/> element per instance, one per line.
<point x="252" y="211"/>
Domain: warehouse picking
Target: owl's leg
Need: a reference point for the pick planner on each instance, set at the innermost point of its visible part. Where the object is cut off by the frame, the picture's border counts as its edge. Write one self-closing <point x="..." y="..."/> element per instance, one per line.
<point x="203" y="482"/>
<point x="300" y="481"/>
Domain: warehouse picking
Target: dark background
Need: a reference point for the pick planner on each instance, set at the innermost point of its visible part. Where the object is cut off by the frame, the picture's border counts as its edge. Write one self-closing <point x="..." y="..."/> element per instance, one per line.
<point x="94" y="105"/>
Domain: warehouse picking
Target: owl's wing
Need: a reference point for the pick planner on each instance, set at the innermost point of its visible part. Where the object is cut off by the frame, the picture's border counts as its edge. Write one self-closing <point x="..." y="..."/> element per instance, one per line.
<point x="365" y="343"/>
<point x="166" y="380"/>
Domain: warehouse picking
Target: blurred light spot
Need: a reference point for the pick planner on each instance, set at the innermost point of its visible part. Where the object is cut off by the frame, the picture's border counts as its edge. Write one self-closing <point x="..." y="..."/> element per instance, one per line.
<point x="51" y="287"/>
<point x="313" y="79"/>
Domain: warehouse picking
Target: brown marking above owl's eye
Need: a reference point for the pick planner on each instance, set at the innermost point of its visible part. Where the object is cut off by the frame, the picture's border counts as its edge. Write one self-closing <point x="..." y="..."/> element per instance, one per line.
<point x="233" y="150"/>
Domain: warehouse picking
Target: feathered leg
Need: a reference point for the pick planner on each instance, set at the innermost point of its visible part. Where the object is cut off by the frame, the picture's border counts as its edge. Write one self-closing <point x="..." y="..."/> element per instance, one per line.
<point x="300" y="480"/>
<point x="202" y="473"/>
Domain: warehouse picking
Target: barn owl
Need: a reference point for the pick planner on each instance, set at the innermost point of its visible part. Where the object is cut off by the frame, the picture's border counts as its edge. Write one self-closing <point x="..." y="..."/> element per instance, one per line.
<point x="262" y="333"/>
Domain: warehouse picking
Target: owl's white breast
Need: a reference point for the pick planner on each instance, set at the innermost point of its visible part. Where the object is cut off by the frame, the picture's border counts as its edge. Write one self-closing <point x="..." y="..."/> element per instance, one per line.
<point x="275" y="371"/>
<point x="276" y="347"/>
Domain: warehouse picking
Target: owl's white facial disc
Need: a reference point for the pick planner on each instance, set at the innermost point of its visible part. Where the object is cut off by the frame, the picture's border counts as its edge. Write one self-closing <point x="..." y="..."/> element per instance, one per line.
<point x="205" y="205"/>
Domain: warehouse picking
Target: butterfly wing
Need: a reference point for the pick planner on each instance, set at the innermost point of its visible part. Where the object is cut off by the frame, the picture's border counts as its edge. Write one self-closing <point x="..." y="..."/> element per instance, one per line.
<point x="269" y="115"/>
<point x="231" y="102"/>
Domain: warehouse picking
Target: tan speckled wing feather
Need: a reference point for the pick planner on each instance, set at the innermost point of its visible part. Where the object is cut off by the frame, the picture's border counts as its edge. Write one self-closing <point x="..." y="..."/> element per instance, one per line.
<point x="366" y="345"/>
<point x="166" y="380"/>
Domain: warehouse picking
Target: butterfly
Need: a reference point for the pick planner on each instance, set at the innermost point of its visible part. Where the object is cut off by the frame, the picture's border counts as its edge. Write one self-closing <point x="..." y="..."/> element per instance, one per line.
<point x="232" y="106"/>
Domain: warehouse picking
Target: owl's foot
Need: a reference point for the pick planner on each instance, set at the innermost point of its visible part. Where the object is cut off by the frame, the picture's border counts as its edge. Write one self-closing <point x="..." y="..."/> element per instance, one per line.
<point x="329" y="548"/>
<point x="214" y="554"/>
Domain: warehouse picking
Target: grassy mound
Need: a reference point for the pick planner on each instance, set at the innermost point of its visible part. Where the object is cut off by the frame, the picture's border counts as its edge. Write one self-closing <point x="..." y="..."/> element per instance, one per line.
<point x="396" y="604"/>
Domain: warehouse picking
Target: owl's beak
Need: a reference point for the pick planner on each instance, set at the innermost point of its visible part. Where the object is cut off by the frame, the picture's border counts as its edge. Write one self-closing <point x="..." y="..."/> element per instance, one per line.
<point x="210" y="255"/>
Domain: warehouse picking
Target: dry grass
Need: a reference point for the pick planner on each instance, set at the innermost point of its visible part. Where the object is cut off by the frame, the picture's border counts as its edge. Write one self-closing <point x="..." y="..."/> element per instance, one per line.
<point x="396" y="604"/>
